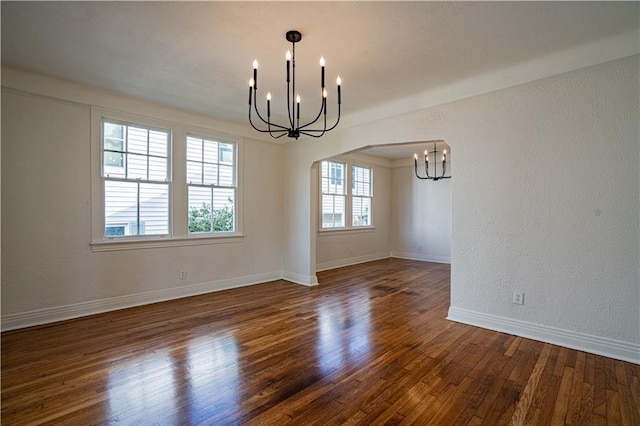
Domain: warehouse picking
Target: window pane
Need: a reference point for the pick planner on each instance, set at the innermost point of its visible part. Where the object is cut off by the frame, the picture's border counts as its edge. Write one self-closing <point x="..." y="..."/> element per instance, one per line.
<point x="361" y="211"/>
<point x="194" y="149"/>
<point x="157" y="168"/>
<point x="114" y="144"/>
<point x="226" y="176"/>
<point x="158" y="143"/>
<point x="199" y="209"/>
<point x="210" y="151"/>
<point x="154" y="209"/>
<point x="226" y="153"/>
<point x="137" y="140"/>
<point x="361" y="181"/>
<point x="223" y="210"/>
<point x="332" y="177"/>
<point x="113" y="131"/>
<point x="333" y="211"/>
<point x="194" y="172"/>
<point x="121" y="207"/>
<point x="114" y="164"/>
<point x="137" y="167"/>
<point x="210" y="174"/>
<point x="339" y="211"/>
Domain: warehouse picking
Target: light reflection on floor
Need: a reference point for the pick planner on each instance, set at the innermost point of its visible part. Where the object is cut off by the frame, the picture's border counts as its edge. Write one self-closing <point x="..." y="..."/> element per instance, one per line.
<point x="145" y="384"/>
<point x="343" y="333"/>
<point x="208" y="388"/>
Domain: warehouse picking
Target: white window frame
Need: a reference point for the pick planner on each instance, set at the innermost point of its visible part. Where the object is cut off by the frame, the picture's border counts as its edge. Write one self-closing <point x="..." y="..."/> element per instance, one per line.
<point x="178" y="210"/>
<point x="334" y="195"/>
<point x="234" y="186"/>
<point x="348" y="194"/>
<point x="352" y="196"/>
<point x="104" y="177"/>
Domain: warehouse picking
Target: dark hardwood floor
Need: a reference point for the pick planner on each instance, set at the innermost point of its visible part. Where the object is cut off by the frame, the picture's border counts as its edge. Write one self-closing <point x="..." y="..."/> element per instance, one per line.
<point x="370" y="345"/>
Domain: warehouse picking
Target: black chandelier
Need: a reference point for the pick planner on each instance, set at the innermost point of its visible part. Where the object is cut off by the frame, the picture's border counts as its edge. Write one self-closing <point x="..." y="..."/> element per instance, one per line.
<point x="434" y="153"/>
<point x="294" y="129"/>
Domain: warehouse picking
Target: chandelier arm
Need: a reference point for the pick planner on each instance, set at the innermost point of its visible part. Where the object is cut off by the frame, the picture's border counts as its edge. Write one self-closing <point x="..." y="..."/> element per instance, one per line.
<point x="266" y="131"/>
<point x="311" y="130"/>
<point x="267" y="122"/>
<point x="318" y="116"/>
<point x="337" y="121"/>
<point x="325" y="129"/>
<point x="416" y="170"/>
<point x="426" y="169"/>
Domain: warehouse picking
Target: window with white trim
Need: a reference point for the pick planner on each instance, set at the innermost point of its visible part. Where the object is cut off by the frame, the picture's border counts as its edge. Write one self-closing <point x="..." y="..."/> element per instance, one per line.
<point x="333" y="198"/>
<point x="211" y="182"/>
<point x="136" y="173"/>
<point x="361" y="196"/>
<point x="342" y="205"/>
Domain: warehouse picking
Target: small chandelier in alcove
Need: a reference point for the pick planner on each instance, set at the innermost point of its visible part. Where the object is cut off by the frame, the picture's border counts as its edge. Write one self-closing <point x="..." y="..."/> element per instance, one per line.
<point x="433" y="155"/>
<point x="292" y="129"/>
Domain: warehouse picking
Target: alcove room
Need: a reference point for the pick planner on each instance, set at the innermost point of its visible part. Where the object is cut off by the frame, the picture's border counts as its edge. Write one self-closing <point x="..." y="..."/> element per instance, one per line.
<point x="320" y="213"/>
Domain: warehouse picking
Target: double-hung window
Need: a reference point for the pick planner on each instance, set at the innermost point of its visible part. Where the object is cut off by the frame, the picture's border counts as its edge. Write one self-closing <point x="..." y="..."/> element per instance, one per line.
<point x="361" y="196"/>
<point x="211" y="182"/>
<point x="135" y="177"/>
<point x="346" y="200"/>
<point x="333" y="189"/>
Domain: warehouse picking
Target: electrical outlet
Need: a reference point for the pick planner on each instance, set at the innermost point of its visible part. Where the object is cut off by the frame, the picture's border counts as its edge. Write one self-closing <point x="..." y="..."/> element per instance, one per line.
<point x="517" y="298"/>
<point x="182" y="274"/>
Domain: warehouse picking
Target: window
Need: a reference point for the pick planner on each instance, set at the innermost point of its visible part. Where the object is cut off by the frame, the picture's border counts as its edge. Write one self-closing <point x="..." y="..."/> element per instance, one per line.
<point x="341" y="208"/>
<point x="361" y="194"/>
<point x="332" y="177"/>
<point x="211" y="181"/>
<point x="135" y="202"/>
<point x="135" y="179"/>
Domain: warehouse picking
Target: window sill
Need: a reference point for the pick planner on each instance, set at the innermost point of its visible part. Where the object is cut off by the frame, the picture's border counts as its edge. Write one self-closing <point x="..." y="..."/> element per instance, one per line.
<point x="341" y="231"/>
<point x="117" y="245"/>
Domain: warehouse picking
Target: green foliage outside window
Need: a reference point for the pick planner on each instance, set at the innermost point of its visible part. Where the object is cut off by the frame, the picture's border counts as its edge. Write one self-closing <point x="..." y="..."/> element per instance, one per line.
<point x="201" y="219"/>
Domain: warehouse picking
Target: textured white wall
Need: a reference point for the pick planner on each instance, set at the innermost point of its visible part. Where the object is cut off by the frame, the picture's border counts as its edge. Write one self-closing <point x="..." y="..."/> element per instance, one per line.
<point x="421" y="215"/>
<point x="46" y="221"/>
<point x="340" y="248"/>
<point x="545" y="198"/>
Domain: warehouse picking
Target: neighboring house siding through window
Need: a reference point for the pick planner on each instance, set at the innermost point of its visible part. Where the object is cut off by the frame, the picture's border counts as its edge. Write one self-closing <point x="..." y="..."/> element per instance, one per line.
<point x="136" y="176"/>
<point x="345" y="206"/>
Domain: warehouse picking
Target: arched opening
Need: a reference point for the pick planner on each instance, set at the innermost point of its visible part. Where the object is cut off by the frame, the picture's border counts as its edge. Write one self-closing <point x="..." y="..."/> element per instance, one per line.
<point x="410" y="218"/>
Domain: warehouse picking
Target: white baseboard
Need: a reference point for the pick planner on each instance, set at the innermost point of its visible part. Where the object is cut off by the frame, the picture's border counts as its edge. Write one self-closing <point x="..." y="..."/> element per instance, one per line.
<point x="616" y="349"/>
<point x="294" y="277"/>
<point x="420" y="256"/>
<point x="60" y="313"/>
<point x="324" y="266"/>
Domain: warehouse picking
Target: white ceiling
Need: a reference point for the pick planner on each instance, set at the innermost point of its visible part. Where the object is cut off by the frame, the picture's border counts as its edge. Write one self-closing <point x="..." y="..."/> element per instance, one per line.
<point x="197" y="55"/>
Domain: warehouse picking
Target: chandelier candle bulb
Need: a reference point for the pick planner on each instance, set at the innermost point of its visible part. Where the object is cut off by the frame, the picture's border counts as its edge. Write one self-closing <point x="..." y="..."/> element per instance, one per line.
<point x="255" y="74"/>
<point x="268" y="104"/>
<point x="339" y="82"/>
<point x="288" y="57"/>
<point x="322" y="71"/>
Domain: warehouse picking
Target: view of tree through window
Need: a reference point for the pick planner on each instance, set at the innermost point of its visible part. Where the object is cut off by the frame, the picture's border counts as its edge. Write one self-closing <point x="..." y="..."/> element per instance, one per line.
<point x="211" y="180"/>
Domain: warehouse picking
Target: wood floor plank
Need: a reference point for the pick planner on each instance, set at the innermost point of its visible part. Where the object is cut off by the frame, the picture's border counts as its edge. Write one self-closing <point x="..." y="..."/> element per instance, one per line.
<point x="369" y="345"/>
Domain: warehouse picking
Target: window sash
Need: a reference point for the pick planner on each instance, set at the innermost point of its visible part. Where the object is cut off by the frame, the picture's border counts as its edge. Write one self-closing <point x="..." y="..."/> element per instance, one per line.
<point x="211" y="185"/>
<point x="342" y="209"/>
<point x="135" y="174"/>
